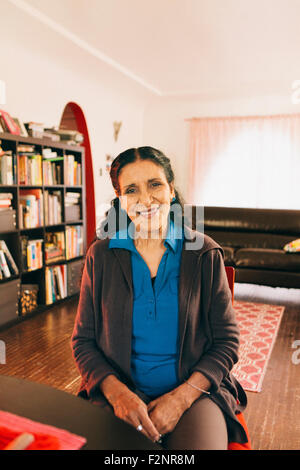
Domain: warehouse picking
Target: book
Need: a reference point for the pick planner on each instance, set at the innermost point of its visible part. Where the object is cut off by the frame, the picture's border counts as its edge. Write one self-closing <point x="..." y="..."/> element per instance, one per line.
<point x="9" y="123"/>
<point x="23" y="131"/>
<point x="3" y="247"/>
<point x="3" y="264"/>
<point x="6" y="168"/>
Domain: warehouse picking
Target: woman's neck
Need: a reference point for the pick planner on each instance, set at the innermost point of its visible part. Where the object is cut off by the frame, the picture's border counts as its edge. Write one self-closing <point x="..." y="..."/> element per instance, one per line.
<point x="151" y="241"/>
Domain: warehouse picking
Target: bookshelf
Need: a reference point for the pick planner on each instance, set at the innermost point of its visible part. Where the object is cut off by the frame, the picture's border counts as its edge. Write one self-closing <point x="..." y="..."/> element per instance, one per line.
<point x="42" y="224"/>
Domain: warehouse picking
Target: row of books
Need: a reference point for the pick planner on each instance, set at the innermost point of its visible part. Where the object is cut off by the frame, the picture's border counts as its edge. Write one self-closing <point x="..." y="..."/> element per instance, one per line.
<point x="74" y="241"/>
<point x="30" y="169"/>
<point x="72" y="171"/>
<point x="36" y="169"/>
<point x="53" y="207"/>
<point x="8" y="266"/>
<point x="37" y="207"/>
<point x="31" y="210"/>
<point x="58" y="247"/>
<point x="56" y="283"/>
<point x="32" y="253"/>
<point x="52" y="173"/>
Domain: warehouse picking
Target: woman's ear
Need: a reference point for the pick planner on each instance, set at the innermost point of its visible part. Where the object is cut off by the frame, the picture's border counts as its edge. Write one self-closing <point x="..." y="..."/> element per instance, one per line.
<point x="172" y="191"/>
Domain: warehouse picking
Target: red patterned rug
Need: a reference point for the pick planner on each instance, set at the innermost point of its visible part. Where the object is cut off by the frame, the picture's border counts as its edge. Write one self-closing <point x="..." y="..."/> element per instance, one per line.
<point x="259" y="324"/>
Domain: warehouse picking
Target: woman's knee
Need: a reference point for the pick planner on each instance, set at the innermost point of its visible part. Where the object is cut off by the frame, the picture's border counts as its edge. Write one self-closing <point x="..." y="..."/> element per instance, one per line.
<point x="201" y="427"/>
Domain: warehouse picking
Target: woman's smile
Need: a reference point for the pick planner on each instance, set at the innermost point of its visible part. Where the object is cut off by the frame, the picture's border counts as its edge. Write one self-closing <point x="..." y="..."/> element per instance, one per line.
<point x="149" y="213"/>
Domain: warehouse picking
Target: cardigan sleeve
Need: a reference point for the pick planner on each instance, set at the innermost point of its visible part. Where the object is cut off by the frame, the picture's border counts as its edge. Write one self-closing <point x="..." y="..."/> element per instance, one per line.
<point x="90" y="360"/>
<point x="218" y="360"/>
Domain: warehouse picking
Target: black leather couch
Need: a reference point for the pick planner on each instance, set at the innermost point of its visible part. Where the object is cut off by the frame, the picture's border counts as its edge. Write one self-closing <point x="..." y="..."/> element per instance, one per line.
<point x="253" y="241"/>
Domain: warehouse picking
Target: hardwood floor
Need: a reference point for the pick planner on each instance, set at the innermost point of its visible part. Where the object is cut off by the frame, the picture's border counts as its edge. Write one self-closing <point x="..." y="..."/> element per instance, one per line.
<point x="38" y="349"/>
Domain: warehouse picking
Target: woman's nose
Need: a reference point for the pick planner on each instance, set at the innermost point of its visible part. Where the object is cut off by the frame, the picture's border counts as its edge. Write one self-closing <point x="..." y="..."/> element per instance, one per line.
<point x="145" y="198"/>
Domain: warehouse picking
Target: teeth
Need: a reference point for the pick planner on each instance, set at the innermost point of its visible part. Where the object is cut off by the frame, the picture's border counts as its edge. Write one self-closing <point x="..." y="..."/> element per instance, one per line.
<point x="151" y="211"/>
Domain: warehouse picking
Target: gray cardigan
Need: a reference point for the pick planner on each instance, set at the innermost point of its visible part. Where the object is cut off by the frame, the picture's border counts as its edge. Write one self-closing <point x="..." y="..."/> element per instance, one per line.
<point x="208" y="338"/>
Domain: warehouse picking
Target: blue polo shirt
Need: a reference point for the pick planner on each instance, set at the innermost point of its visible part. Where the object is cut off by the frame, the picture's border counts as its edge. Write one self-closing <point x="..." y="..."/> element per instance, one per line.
<point x="155" y="326"/>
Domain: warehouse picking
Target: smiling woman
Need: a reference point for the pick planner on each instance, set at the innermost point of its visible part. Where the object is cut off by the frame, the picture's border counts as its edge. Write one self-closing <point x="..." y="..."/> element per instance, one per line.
<point x="155" y="336"/>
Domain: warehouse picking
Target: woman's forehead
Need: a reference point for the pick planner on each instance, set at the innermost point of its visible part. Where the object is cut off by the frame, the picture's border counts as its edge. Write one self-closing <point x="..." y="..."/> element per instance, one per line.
<point x="139" y="172"/>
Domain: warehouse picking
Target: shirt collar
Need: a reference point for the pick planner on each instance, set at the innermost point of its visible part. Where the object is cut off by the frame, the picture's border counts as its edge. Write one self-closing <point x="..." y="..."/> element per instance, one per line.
<point x="122" y="238"/>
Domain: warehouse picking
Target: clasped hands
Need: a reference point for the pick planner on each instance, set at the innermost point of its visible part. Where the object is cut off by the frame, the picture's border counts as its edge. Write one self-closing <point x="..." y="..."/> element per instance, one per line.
<point x="159" y="417"/>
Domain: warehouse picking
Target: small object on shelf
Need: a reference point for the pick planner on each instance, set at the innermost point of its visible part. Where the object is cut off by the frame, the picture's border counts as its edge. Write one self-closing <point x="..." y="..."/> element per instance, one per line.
<point x="7" y="219"/>
<point x="34" y="129"/>
<point x="29" y="298"/>
<point x="8" y="123"/>
<point x="20" y="124"/>
<point x="54" y="247"/>
<point x="69" y="137"/>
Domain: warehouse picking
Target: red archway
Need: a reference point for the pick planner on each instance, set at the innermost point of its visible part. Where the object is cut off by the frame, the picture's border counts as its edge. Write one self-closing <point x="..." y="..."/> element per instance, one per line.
<point x="74" y="119"/>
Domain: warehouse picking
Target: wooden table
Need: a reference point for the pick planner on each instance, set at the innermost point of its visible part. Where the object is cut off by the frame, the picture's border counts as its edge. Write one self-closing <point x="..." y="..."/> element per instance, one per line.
<point x="47" y="405"/>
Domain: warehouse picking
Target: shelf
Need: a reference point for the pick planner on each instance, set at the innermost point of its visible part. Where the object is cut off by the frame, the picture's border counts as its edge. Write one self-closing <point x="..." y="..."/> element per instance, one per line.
<point x="40" y="227"/>
<point x="32" y="270"/>
<point x="53" y="263"/>
<point x="74" y="259"/>
<point x="8" y="279"/>
<point x="4" y="232"/>
<point x="41" y="142"/>
<point x="30" y="186"/>
<point x="42" y="276"/>
<point x="51" y="186"/>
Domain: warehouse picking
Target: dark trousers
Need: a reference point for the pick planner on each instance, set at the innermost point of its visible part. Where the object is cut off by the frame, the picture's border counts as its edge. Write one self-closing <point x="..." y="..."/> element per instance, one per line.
<point x="201" y="427"/>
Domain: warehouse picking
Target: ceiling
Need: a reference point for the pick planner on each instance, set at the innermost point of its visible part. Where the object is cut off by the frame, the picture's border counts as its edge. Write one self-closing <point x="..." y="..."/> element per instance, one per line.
<point x="185" y="47"/>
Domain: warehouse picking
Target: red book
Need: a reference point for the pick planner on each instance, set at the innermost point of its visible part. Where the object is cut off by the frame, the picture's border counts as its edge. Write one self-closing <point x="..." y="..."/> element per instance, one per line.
<point x="10" y="123"/>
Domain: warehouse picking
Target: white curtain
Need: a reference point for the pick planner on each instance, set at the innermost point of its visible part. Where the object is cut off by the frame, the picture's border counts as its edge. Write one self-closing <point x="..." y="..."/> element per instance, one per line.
<point x="245" y="162"/>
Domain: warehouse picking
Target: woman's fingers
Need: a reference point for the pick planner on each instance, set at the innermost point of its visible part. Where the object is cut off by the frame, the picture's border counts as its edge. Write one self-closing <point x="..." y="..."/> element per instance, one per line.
<point x="149" y="427"/>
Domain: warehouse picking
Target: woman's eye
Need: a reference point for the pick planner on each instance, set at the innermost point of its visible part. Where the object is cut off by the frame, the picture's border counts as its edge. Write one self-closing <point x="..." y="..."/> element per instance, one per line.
<point x="156" y="184"/>
<point x="130" y="191"/>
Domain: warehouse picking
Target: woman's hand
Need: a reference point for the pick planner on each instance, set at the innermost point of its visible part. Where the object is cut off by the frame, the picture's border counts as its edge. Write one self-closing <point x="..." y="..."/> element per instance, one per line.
<point x="166" y="410"/>
<point x="128" y="406"/>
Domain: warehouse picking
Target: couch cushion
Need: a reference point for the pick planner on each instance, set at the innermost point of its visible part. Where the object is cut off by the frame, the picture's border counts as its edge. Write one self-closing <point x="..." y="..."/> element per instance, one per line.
<point x="249" y="240"/>
<point x="263" y="258"/>
<point x="252" y="220"/>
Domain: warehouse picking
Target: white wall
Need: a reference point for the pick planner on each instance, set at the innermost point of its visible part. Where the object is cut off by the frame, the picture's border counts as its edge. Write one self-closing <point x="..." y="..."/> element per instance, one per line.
<point x="43" y="71"/>
<point x="165" y="126"/>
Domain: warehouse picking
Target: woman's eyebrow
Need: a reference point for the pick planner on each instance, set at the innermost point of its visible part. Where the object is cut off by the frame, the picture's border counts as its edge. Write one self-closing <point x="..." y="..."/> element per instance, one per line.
<point x="148" y="181"/>
<point x="129" y="185"/>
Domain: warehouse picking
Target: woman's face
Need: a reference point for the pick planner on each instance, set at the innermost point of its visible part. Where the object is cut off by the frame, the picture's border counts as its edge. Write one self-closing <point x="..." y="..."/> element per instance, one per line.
<point x="145" y="195"/>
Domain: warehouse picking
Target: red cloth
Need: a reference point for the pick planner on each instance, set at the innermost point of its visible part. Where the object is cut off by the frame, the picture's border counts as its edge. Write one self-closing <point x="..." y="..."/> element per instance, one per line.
<point x="46" y="437"/>
<point x="41" y="441"/>
<point x="237" y="445"/>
